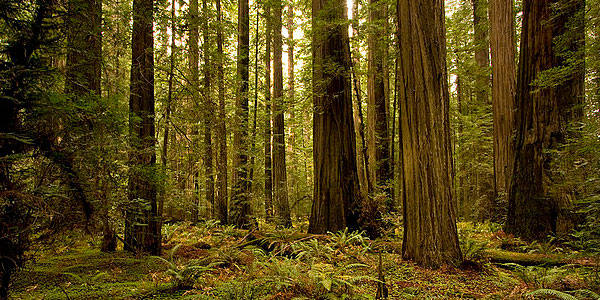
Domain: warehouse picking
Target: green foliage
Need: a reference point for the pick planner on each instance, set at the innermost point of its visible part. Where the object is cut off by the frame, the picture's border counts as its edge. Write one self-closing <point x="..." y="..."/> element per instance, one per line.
<point x="343" y="239"/>
<point x="312" y="250"/>
<point x="472" y="249"/>
<point x="184" y="275"/>
<point x="569" y="295"/>
<point x="541" y="277"/>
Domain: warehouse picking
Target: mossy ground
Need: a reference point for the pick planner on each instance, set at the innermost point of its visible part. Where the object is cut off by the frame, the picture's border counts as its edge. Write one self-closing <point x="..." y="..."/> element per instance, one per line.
<point x="208" y="261"/>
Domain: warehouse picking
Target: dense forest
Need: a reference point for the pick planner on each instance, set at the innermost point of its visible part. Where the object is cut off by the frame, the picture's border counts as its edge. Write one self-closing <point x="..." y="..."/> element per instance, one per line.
<point x="299" y="149"/>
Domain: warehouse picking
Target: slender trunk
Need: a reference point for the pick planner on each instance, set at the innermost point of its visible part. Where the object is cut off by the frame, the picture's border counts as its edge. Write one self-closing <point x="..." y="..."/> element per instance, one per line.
<point x="430" y="237"/>
<point x="291" y="106"/>
<point x="378" y="131"/>
<point x="240" y="204"/>
<point x="221" y="204"/>
<point x="282" y="211"/>
<point x="255" y="113"/>
<point x="359" y="126"/>
<point x="142" y="226"/>
<point x="268" y="170"/>
<point x="165" y="148"/>
<point x="208" y="115"/>
<point x="194" y="85"/>
<point x="462" y="208"/>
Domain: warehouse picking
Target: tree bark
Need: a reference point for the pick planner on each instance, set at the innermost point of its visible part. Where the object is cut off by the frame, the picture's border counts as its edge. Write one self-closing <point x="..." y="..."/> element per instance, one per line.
<point x="544" y="111"/>
<point x="208" y="115"/>
<point x="503" y="93"/>
<point x="142" y="222"/>
<point x="337" y="195"/>
<point x="194" y="86"/>
<point x="280" y="192"/>
<point x="165" y="146"/>
<point x="268" y="170"/>
<point x="221" y="203"/>
<point x="240" y="204"/>
<point x="430" y="235"/>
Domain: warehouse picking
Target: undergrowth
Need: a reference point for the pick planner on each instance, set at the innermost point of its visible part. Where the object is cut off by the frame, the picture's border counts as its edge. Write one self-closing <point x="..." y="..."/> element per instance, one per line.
<point x="211" y="261"/>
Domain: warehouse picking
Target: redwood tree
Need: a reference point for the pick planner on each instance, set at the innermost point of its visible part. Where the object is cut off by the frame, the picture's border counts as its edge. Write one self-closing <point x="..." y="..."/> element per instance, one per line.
<point x="208" y="113"/>
<point x="503" y="92"/>
<point x="337" y="195"/>
<point x="240" y="200"/>
<point x="430" y="235"/>
<point x="552" y="39"/>
<point x="221" y="191"/>
<point x="280" y="191"/>
<point x="268" y="162"/>
<point x="142" y="222"/>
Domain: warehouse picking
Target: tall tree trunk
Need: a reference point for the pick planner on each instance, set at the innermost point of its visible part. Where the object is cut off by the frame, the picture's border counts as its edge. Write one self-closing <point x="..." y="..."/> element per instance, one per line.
<point x="291" y="100"/>
<point x="544" y="111"/>
<point x="268" y="170"/>
<point x="337" y="196"/>
<point x="482" y="52"/>
<point x="142" y="222"/>
<point x="165" y="146"/>
<point x="240" y="204"/>
<point x="255" y="112"/>
<point x="221" y="204"/>
<point x="208" y="115"/>
<point x="280" y="193"/>
<point x="503" y="93"/>
<point x="359" y="124"/>
<point x="430" y="235"/>
<point x="379" y="152"/>
<point x="194" y="86"/>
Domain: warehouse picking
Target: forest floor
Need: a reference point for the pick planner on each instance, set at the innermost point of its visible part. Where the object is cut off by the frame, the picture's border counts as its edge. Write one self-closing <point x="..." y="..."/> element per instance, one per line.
<point x="209" y="261"/>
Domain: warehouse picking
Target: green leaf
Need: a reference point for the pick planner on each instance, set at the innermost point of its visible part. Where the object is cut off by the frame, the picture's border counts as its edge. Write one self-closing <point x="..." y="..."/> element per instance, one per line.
<point x="327" y="284"/>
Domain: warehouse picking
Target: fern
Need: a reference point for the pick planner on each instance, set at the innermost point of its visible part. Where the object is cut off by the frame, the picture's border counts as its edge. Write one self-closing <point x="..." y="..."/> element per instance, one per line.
<point x="554" y="293"/>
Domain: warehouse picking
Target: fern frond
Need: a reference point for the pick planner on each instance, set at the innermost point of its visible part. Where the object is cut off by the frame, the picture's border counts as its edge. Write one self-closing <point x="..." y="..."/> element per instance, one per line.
<point x="554" y="293"/>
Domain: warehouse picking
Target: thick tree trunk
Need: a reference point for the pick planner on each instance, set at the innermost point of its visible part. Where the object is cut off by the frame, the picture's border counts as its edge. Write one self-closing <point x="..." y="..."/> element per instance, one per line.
<point x="280" y="193"/>
<point x="337" y="195"/>
<point x="430" y="235"/>
<point x="221" y="203"/>
<point x="142" y="222"/>
<point x="208" y="115"/>
<point x="503" y="93"/>
<point x="379" y="152"/>
<point x="543" y="112"/>
<point x="268" y="170"/>
<point x="240" y="200"/>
